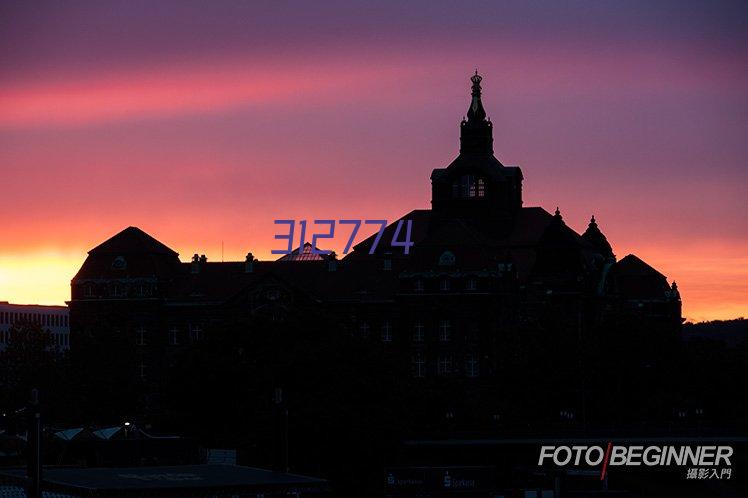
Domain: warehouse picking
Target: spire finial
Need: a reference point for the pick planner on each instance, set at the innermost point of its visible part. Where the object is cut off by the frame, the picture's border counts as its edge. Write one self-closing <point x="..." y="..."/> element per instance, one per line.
<point x="558" y="212"/>
<point x="476" y="111"/>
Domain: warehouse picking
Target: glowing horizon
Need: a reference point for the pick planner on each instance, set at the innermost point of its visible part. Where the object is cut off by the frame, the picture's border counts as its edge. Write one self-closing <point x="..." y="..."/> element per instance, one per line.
<point x="204" y="131"/>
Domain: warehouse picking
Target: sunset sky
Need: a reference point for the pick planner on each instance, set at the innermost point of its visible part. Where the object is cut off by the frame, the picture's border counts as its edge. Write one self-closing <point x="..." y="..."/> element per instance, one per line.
<point x="202" y="122"/>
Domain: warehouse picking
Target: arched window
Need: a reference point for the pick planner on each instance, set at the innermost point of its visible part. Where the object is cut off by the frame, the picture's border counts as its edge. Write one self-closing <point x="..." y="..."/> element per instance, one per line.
<point x="469" y="187"/>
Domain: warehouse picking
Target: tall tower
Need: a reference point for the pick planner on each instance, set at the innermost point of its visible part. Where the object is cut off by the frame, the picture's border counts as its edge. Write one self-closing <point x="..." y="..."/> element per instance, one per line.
<point x="476" y="136"/>
<point x="476" y="184"/>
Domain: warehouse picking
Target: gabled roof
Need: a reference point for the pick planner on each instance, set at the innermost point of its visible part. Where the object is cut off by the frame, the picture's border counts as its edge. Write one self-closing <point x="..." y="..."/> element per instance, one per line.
<point x="306" y="254"/>
<point x="132" y="240"/>
<point x="632" y="278"/>
<point x="632" y="266"/>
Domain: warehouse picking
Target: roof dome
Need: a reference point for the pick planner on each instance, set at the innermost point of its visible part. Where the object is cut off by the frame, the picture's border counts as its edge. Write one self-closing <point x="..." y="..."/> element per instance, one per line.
<point x="594" y="236"/>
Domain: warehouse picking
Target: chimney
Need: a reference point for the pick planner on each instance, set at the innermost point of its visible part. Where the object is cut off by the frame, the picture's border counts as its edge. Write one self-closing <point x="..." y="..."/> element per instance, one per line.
<point x="249" y="263"/>
<point x="195" y="266"/>
<point x="332" y="261"/>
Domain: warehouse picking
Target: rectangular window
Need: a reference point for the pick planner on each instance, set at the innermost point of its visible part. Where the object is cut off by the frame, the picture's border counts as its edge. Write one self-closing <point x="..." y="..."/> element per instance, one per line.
<point x="481" y="187"/>
<point x="174" y="336"/>
<point x="445" y="330"/>
<point x="444" y="365"/>
<point x="418" y="332"/>
<point x="472" y="368"/>
<point x="419" y="366"/>
<point x="386" y="332"/>
<point x="195" y="333"/>
<point x="140" y="336"/>
<point x="364" y="329"/>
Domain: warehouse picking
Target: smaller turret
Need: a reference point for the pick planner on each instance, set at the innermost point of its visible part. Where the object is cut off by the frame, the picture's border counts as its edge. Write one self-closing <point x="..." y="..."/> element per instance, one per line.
<point x="597" y="239"/>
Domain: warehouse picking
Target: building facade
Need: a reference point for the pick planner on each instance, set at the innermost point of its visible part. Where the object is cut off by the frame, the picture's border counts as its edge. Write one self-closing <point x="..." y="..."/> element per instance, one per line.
<point x="54" y="320"/>
<point x="486" y="281"/>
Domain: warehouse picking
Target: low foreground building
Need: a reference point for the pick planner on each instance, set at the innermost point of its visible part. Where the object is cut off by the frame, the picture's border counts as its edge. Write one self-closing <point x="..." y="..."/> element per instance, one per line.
<point x="183" y="481"/>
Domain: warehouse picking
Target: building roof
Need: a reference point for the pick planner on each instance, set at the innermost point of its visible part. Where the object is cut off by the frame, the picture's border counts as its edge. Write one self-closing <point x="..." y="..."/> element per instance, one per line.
<point x="133" y="481"/>
<point x="594" y="236"/>
<point x="132" y="240"/>
<point x="632" y="266"/>
<point x="632" y="278"/>
<point x="306" y="253"/>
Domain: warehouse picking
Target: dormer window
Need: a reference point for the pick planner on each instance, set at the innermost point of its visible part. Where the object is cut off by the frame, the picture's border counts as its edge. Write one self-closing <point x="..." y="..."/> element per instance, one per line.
<point x="444" y="284"/>
<point x="469" y="187"/>
<point x="118" y="290"/>
<point x="471" y="284"/>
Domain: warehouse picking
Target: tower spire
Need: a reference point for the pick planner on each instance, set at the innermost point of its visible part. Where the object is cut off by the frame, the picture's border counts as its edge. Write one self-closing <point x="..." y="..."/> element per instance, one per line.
<point x="475" y="130"/>
<point x="476" y="111"/>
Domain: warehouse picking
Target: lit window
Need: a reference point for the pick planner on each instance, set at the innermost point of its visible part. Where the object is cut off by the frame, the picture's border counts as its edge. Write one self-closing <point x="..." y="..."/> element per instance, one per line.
<point x="445" y="330"/>
<point x="387" y="263"/>
<point x="444" y="284"/>
<point x="469" y="187"/>
<point x="386" y="332"/>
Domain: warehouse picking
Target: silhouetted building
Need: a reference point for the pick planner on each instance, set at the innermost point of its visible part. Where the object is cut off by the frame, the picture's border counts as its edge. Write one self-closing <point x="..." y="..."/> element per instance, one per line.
<point x="487" y="282"/>
<point x="52" y="319"/>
